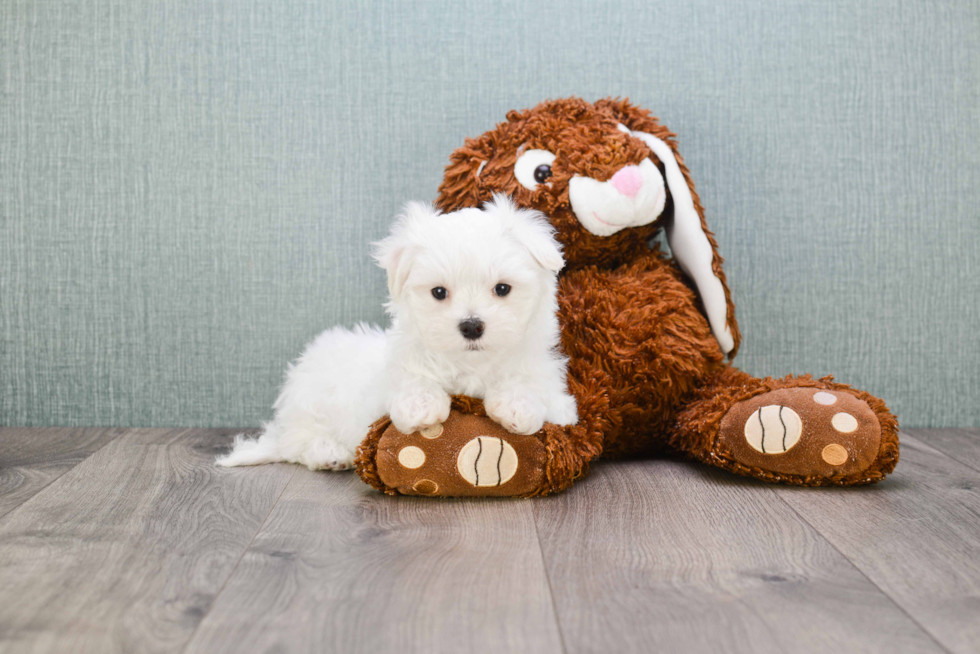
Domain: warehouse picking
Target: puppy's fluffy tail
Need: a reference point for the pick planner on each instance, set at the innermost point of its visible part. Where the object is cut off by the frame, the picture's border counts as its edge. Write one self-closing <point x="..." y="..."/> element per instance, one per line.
<point x="331" y="395"/>
<point x="253" y="451"/>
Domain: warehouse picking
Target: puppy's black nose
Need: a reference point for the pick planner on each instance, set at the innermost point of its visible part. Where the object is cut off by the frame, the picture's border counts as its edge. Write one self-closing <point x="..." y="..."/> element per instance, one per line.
<point x="471" y="328"/>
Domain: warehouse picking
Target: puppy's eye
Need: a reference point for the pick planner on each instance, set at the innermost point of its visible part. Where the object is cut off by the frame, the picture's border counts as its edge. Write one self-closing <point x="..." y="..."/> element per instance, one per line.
<point x="533" y="168"/>
<point x="439" y="293"/>
<point x="501" y="289"/>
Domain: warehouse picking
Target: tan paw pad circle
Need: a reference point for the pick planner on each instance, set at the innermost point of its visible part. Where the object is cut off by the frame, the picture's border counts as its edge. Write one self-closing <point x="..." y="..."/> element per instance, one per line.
<point x="487" y="461"/>
<point x="411" y="457"/>
<point x="834" y="454"/>
<point x="425" y="487"/>
<point x="824" y="398"/>
<point x="773" y="429"/>
<point x="845" y="423"/>
<point x="435" y="431"/>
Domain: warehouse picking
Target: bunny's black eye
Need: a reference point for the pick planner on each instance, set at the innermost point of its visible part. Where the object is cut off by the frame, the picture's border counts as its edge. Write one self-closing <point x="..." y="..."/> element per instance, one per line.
<point x="439" y="293"/>
<point x="501" y="289"/>
<point x="533" y="168"/>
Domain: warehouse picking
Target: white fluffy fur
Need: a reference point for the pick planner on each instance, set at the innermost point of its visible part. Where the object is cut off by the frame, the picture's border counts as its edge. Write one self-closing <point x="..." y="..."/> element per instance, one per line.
<point x="346" y="379"/>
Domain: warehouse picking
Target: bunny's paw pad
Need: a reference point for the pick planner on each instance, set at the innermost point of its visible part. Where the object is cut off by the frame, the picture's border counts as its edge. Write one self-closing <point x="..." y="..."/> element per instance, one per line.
<point x="466" y="456"/>
<point x="807" y="432"/>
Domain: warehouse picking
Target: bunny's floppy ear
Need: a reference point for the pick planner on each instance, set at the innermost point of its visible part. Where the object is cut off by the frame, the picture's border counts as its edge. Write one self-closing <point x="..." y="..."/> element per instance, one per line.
<point x="461" y="184"/>
<point x="529" y="228"/>
<point x="397" y="252"/>
<point x="481" y="165"/>
<point x="692" y="243"/>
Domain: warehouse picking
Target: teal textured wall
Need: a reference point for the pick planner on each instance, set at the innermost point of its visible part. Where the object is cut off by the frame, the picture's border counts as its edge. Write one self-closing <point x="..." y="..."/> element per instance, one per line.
<point x="188" y="187"/>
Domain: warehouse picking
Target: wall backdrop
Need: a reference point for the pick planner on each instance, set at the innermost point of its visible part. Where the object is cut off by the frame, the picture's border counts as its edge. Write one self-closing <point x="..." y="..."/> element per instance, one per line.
<point x="188" y="187"/>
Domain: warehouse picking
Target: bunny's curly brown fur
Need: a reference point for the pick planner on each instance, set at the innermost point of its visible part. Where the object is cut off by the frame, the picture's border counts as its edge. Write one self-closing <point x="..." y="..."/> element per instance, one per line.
<point x="647" y="372"/>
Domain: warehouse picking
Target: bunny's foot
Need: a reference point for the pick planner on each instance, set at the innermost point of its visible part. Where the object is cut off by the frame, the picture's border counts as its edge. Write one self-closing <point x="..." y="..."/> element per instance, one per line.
<point x="468" y="455"/>
<point x="795" y="430"/>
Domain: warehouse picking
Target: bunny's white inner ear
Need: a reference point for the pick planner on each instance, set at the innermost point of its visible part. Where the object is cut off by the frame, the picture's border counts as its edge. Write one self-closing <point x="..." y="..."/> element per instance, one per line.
<point x="689" y="243"/>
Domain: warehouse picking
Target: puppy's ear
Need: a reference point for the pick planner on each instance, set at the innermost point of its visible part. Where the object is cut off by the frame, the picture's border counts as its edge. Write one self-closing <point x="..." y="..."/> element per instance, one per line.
<point x="529" y="228"/>
<point x="397" y="253"/>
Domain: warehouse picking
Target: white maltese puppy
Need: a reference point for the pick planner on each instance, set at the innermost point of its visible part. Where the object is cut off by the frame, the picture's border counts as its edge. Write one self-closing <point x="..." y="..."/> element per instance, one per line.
<point x="474" y="312"/>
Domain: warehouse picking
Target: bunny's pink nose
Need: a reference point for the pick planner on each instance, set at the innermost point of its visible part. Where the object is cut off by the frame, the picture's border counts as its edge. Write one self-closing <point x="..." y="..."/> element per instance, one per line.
<point x="628" y="180"/>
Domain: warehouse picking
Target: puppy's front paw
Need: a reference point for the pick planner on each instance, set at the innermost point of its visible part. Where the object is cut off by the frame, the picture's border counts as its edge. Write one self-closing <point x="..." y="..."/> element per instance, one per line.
<point x="563" y="410"/>
<point x="413" y="410"/>
<point x="518" y="413"/>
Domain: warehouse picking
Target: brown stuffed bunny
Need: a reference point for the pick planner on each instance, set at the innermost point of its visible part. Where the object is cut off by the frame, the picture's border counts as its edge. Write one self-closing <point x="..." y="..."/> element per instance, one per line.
<point x="647" y="334"/>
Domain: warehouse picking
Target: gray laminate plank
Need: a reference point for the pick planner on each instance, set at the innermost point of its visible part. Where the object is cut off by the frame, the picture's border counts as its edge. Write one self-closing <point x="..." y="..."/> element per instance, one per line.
<point x="339" y="567"/>
<point x="126" y="552"/>
<point x="960" y="444"/>
<point x="31" y="458"/>
<point x="916" y="535"/>
<point x="664" y="556"/>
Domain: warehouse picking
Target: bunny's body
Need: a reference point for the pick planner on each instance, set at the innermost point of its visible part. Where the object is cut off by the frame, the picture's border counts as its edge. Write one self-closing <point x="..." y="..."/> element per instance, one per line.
<point x="646" y="334"/>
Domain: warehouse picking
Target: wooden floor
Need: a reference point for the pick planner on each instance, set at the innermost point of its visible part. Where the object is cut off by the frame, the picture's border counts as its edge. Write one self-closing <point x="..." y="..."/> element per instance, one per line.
<point x="133" y="541"/>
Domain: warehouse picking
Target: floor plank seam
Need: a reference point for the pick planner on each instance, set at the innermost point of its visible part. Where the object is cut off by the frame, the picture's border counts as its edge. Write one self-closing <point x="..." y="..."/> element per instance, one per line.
<point x="972" y="465"/>
<point x="40" y="490"/>
<point x="245" y="550"/>
<point x="891" y="599"/>
<point x="547" y="577"/>
<point x="941" y="453"/>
